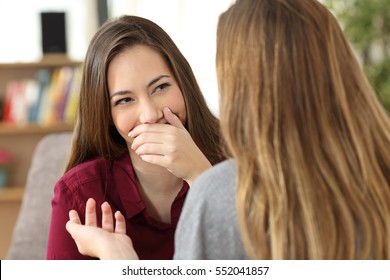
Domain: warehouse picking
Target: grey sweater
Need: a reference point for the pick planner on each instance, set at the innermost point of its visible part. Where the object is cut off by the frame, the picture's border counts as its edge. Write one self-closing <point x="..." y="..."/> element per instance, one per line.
<point x="208" y="226"/>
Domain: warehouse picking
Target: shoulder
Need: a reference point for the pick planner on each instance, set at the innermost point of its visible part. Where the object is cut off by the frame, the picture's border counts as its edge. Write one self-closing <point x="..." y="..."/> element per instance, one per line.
<point x="220" y="170"/>
<point x="214" y="191"/>
<point x="95" y="170"/>
<point x="86" y="170"/>
<point x="220" y="178"/>
<point x="209" y="214"/>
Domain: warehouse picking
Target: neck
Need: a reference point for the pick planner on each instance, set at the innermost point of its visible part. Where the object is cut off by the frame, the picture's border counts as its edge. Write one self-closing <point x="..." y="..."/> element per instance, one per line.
<point x="157" y="186"/>
<point x="154" y="177"/>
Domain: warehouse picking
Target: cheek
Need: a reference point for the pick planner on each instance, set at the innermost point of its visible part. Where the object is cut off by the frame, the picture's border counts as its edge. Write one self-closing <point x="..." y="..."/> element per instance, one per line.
<point x="177" y="105"/>
<point x="124" y="121"/>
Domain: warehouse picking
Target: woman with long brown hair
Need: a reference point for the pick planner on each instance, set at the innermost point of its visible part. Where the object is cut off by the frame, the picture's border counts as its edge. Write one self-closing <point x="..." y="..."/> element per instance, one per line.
<point x="144" y="133"/>
<point x="309" y="176"/>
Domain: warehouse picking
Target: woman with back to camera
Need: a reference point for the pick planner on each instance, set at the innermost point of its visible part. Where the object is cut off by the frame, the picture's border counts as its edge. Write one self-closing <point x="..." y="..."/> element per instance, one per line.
<point x="315" y="183"/>
<point x="310" y="171"/>
<point x="144" y="132"/>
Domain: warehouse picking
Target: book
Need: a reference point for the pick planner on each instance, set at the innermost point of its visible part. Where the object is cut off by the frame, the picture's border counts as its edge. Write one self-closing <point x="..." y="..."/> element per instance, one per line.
<point x="43" y="80"/>
<point x="70" y="111"/>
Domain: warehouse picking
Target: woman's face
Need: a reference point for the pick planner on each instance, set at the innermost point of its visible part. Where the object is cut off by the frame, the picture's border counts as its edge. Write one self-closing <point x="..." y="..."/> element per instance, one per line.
<point x="140" y="85"/>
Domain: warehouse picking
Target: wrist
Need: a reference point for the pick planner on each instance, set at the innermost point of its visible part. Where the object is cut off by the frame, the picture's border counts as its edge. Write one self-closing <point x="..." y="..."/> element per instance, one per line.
<point x="198" y="172"/>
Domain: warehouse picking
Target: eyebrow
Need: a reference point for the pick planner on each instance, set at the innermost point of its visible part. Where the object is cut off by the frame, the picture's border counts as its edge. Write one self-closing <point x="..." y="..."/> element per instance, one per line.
<point x="152" y="82"/>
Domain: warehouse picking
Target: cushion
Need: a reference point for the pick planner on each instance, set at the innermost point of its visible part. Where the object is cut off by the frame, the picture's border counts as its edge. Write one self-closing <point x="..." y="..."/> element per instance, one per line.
<point x="29" y="239"/>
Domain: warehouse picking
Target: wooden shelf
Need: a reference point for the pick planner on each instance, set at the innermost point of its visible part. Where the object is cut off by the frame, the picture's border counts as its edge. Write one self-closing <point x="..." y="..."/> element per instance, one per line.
<point x="48" y="61"/>
<point x="9" y="129"/>
<point x="9" y="194"/>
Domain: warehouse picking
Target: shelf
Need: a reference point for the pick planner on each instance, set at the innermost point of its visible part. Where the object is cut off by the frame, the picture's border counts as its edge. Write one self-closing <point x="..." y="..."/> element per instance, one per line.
<point x="48" y="61"/>
<point x="21" y="140"/>
<point x="10" y="194"/>
<point x="9" y="129"/>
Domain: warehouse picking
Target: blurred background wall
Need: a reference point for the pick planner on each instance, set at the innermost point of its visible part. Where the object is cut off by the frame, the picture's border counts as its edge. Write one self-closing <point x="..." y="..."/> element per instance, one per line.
<point x="191" y="24"/>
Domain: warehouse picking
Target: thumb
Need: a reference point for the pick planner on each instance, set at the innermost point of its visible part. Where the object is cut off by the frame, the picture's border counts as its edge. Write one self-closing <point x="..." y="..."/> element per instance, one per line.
<point x="74" y="217"/>
<point x="73" y="228"/>
<point x="172" y="118"/>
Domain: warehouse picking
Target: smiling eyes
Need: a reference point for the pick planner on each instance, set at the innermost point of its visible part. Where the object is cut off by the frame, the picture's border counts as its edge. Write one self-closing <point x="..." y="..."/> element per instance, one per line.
<point x="156" y="90"/>
<point x="161" y="87"/>
<point x="123" y="101"/>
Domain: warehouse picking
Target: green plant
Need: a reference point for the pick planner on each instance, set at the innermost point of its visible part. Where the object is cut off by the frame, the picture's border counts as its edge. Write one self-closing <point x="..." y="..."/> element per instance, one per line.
<point x="367" y="26"/>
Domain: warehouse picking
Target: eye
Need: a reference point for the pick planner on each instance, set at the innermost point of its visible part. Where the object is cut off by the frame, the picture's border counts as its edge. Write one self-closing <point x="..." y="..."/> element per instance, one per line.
<point x="123" y="101"/>
<point x="161" y="87"/>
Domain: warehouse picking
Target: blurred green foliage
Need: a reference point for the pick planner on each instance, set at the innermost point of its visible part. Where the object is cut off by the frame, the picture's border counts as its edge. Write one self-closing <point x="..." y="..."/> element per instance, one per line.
<point x="367" y="25"/>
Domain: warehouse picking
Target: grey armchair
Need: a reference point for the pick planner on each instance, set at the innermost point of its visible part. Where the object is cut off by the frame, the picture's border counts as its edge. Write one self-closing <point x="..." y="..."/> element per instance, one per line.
<point x="29" y="239"/>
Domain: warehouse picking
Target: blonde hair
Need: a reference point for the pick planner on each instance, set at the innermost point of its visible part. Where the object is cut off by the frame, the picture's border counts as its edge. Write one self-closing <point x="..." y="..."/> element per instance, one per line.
<point x="310" y="139"/>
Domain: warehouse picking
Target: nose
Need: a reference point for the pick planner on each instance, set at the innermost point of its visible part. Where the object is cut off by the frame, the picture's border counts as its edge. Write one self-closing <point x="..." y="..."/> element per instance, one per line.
<point x="150" y="111"/>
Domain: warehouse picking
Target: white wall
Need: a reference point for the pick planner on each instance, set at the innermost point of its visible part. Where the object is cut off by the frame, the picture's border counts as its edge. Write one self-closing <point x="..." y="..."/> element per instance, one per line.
<point x="20" y="27"/>
<point x="191" y="24"/>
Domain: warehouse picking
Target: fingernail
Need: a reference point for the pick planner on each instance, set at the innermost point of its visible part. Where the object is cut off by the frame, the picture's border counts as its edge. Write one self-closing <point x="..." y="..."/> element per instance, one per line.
<point x="130" y="134"/>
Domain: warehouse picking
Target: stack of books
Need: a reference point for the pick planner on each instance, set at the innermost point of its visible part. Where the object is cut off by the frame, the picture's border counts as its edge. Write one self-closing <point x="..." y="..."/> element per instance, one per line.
<point x="51" y="98"/>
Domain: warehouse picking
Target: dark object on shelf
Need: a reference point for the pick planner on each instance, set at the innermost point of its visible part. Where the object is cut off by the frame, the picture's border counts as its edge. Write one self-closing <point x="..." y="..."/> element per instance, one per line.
<point x="53" y="32"/>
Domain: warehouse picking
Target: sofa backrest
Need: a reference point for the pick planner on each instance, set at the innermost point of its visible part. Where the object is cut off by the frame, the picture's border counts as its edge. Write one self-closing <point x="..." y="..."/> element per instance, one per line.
<point x="29" y="239"/>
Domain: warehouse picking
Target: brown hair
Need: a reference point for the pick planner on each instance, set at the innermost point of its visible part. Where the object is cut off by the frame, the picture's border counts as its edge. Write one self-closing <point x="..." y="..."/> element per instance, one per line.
<point x="310" y="139"/>
<point x="95" y="135"/>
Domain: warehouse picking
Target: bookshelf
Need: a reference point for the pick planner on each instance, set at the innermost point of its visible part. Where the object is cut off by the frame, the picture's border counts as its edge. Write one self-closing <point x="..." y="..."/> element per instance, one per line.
<point x="13" y="194"/>
<point x="20" y="142"/>
<point x="19" y="138"/>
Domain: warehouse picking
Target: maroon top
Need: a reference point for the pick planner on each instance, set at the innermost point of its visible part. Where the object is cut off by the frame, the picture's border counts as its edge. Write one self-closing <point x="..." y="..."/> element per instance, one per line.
<point x="115" y="183"/>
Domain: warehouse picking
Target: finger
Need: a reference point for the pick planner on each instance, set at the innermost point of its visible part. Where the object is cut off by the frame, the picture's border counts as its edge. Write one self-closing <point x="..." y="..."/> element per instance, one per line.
<point x="149" y="137"/>
<point x="120" y="223"/>
<point x="74" y="217"/>
<point x="144" y="128"/>
<point x="138" y="130"/>
<point x="71" y="227"/>
<point x="107" y="219"/>
<point x="80" y="236"/>
<point x="155" y="149"/>
<point x="169" y="116"/>
<point x="90" y="213"/>
<point x="73" y="223"/>
<point x="157" y="160"/>
<point x="172" y="118"/>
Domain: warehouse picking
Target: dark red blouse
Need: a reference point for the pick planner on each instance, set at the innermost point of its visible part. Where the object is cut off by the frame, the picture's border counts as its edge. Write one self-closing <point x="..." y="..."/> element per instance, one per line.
<point x="115" y="183"/>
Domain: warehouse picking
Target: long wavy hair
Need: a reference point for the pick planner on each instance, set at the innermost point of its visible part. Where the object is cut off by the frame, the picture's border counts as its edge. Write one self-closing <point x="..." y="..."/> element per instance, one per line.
<point x="94" y="134"/>
<point x="310" y="139"/>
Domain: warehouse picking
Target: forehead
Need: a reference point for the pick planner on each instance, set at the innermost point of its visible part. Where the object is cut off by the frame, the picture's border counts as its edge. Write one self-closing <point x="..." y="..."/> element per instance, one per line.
<point x="135" y="67"/>
<point x="139" y="56"/>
